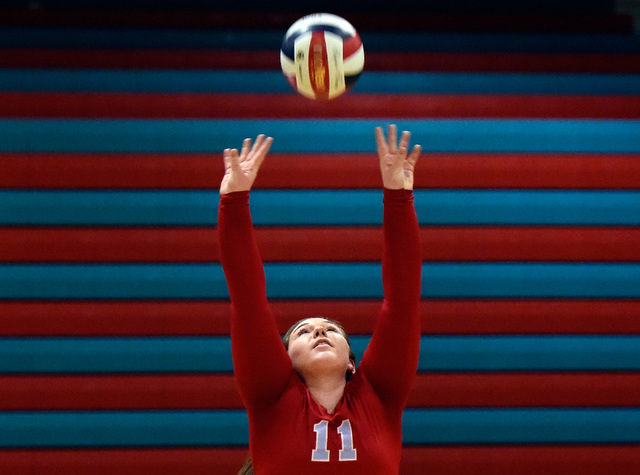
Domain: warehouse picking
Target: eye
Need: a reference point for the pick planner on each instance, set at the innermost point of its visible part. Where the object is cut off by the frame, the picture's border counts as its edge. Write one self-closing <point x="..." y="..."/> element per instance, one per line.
<point x="302" y="331"/>
<point x="332" y="329"/>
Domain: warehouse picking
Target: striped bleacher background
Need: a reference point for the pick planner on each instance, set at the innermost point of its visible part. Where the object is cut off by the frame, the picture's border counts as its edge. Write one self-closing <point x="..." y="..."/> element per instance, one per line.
<point x="114" y="319"/>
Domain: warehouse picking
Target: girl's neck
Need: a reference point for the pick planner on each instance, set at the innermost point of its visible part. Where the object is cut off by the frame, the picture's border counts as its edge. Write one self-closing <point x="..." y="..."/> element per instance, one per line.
<point x="327" y="393"/>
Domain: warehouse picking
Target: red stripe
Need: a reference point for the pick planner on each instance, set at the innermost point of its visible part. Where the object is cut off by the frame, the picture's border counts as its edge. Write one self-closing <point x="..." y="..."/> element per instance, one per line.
<point x="437" y="170"/>
<point x="457" y="460"/>
<point x="270" y="60"/>
<point x="196" y="461"/>
<point x="448" y="317"/>
<point x="320" y="244"/>
<point x="188" y="105"/>
<point x="526" y="390"/>
<point x="118" y="392"/>
<point x="318" y="64"/>
<point x="526" y="460"/>
<point x="217" y="391"/>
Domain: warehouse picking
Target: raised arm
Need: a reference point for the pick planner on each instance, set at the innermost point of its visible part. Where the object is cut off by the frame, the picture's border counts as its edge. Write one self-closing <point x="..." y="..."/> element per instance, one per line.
<point x="391" y="359"/>
<point x="261" y="364"/>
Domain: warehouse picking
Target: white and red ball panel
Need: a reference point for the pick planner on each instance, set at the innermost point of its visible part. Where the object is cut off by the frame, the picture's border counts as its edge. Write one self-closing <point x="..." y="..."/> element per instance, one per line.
<point x="322" y="56"/>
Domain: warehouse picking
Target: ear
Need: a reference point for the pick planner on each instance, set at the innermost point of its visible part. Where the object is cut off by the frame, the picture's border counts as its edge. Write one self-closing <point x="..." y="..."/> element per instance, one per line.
<point x="351" y="367"/>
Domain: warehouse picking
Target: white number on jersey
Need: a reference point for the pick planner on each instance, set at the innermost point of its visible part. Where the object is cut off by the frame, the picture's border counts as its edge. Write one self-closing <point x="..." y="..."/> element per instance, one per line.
<point x="322" y="454"/>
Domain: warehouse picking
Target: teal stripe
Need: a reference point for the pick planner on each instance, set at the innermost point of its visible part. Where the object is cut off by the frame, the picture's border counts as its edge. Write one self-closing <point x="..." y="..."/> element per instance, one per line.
<point x="123" y="429"/>
<point x="521" y="426"/>
<point x="51" y="80"/>
<point x="530" y="353"/>
<point x="209" y="81"/>
<point x="313" y="280"/>
<point x="140" y="38"/>
<point x="318" y="207"/>
<point x="51" y="37"/>
<point x="213" y="354"/>
<point x="298" y="136"/>
<point x="116" y="355"/>
<point x="230" y="428"/>
<point x="535" y="280"/>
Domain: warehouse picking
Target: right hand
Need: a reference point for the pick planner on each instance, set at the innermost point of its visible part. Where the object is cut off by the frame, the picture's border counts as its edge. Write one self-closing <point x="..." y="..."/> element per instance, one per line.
<point x="241" y="170"/>
<point x="396" y="163"/>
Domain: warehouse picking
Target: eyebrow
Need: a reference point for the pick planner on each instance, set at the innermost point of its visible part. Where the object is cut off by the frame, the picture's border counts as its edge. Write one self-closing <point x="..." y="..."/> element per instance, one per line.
<point x="303" y="324"/>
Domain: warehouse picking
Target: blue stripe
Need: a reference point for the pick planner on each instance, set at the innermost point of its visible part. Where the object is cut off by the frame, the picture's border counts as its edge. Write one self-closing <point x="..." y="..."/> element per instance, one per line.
<point x="298" y="136"/>
<point x="230" y="428"/>
<point x="142" y="81"/>
<point x="530" y="353"/>
<point x="140" y="38"/>
<point x="116" y="355"/>
<point x="521" y="426"/>
<point x="213" y="354"/>
<point x="312" y="280"/>
<point x="123" y="429"/>
<point x="318" y="207"/>
<point x="524" y="280"/>
<point x="205" y="81"/>
<point x="299" y="281"/>
<point x="155" y="38"/>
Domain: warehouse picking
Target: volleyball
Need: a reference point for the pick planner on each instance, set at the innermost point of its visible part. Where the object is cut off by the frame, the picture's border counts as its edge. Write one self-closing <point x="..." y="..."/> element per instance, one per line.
<point x="322" y="56"/>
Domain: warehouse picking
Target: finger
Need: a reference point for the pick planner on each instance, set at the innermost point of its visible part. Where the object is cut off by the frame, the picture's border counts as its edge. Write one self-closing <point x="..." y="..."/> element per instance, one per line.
<point x="234" y="160"/>
<point x="258" y="142"/>
<point x="404" y="140"/>
<point x="261" y="153"/>
<point x="256" y="146"/>
<point x="246" y="146"/>
<point x="381" y="145"/>
<point x="226" y="158"/>
<point x="393" y="138"/>
<point x="414" y="155"/>
<point x="265" y="145"/>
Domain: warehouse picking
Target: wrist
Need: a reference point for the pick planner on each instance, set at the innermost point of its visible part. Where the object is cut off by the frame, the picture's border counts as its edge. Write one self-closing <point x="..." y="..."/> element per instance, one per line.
<point x="234" y="197"/>
<point x="400" y="194"/>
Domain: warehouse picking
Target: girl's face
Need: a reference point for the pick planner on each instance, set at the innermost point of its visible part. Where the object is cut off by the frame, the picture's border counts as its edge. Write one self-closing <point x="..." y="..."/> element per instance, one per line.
<point x="316" y="345"/>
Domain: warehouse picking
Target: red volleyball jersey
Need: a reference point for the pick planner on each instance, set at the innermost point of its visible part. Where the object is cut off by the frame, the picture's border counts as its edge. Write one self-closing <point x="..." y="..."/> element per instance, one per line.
<point x="288" y="431"/>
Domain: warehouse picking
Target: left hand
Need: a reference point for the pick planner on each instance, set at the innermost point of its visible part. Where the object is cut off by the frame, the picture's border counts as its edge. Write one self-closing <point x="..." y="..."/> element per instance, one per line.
<point x="396" y="164"/>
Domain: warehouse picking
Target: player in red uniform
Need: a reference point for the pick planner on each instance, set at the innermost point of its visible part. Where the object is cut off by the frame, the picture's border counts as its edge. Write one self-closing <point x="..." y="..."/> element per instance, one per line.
<point x="309" y="410"/>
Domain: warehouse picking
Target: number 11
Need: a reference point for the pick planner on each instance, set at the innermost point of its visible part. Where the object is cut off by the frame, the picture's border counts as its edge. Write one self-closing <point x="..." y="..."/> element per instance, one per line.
<point x="322" y="454"/>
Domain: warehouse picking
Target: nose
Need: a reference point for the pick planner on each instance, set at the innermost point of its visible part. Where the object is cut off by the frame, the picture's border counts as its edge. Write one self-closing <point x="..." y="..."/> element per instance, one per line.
<point x="319" y="331"/>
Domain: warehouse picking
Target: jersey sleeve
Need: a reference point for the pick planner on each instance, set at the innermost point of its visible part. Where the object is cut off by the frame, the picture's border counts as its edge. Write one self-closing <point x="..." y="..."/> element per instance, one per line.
<point x="391" y="359"/>
<point x="261" y="364"/>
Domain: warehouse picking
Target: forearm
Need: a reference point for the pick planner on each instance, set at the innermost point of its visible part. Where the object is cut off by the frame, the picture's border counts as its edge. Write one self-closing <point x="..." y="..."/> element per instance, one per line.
<point x="239" y="252"/>
<point x="401" y="261"/>
<point x="260" y="361"/>
<point x="392" y="356"/>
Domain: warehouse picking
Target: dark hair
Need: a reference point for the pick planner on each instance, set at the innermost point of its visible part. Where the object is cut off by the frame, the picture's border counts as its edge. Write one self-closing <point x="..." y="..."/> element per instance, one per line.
<point x="287" y="337"/>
